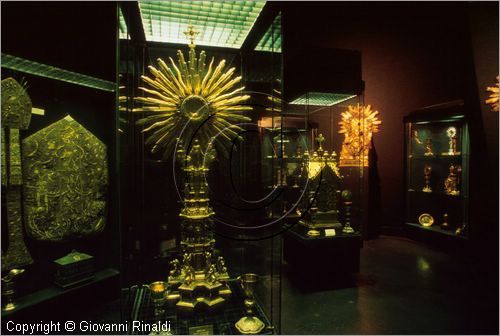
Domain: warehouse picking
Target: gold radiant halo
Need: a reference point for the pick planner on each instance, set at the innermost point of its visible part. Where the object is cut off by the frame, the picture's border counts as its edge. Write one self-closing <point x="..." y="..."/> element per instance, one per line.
<point x="493" y="99"/>
<point x="358" y="125"/>
<point x="451" y="132"/>
<point x="189" y="97"/>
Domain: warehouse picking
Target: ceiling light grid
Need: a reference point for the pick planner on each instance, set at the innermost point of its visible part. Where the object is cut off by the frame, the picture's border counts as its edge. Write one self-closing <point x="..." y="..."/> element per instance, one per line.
<point x="321" y="99"/>
<point x="123" y="31"/>
<point x="220" y="24"/>
<point x="271" y="40"/>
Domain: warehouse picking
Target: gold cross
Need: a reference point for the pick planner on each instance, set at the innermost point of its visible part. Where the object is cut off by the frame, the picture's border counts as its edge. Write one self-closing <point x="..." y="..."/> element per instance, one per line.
<point x="191" y="35"/>
<point x="320" y="138"/>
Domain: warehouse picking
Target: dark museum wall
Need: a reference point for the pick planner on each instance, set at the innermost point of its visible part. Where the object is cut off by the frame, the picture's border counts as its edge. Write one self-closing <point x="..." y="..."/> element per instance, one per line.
<point x="413" y="55"/>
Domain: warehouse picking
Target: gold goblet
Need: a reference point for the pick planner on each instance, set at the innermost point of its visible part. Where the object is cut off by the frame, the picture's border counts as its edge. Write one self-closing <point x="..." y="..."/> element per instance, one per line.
<point x="249" y="324"/>
<point x="8" y="289"/>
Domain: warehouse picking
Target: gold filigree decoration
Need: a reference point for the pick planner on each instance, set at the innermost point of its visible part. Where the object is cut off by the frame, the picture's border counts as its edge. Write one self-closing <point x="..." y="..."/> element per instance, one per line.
<point x="321" y="159"/>
<point x="493" y="99"/>
<point x="358" y="125"/>
<point x="189" y="92"/>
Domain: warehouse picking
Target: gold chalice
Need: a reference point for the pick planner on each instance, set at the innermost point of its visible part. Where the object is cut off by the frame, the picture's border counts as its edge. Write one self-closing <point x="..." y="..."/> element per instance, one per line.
<point x="249" y="324"/>
<point x="158" y="291"/>
<point x="8" y="289"/>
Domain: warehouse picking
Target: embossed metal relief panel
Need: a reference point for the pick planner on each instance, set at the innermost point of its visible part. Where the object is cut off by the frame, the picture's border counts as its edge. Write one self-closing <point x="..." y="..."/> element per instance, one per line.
<point x="16" y="105"/>
<point x="66" y="178"/>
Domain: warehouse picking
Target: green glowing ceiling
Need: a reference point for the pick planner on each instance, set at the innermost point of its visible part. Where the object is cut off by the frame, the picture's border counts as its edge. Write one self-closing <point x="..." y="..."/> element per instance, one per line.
<point x="321" y="99"/>
<point x="123" y="26"/>
<point x="271" y="41"/>
<point x="221" y="24"/>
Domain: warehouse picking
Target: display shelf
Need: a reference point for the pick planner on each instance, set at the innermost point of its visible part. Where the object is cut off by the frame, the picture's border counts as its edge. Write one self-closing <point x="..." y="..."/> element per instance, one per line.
<point x="43" y="298"/>
<point x="435" y="156"/>
<point x="139" y="307"/>
<point x="437" y="229"/>
<point x="436" y="193"/>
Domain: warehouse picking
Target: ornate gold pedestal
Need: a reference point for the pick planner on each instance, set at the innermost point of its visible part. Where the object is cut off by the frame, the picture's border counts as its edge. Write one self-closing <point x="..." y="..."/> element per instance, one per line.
<point x="199" y="279"/>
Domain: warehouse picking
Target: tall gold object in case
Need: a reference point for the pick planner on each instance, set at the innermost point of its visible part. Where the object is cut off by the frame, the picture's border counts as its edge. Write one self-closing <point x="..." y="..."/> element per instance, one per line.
<point x="358" y="125"/>
<point x="200" y="105"/>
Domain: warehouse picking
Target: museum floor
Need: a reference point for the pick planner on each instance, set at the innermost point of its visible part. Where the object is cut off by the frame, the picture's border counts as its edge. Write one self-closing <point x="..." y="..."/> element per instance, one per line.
<point x="403" y="287"/>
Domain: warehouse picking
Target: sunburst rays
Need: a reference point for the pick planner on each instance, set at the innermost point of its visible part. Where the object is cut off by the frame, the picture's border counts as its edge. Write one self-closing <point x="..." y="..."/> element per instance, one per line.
<point x="358" y="125"/>
<point x="203" y="102"/>
<point x="493" y="98"/>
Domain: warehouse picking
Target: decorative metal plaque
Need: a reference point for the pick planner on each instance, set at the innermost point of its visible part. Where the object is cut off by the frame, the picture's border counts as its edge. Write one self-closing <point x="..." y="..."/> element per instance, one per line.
<point x="16" y="105"/>
<point x="65" y="182"/>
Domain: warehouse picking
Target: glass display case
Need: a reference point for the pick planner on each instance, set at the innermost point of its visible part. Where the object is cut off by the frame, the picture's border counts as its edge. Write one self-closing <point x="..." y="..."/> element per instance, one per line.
<point x="198" y="250"/>
<point x="322" y="192"/>
<point x="59" y="226"/>
<point x="437" y="170"/>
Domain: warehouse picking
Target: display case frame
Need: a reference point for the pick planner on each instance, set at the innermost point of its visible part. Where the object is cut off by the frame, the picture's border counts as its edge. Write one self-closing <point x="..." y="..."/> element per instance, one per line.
<point x="437" y="172"/>
<point x="153" y="230"/>
<point x="65" y="88"/>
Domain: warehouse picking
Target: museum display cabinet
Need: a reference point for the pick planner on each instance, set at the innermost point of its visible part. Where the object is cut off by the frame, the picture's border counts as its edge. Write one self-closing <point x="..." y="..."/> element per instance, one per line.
<point x="437" y="171"/>
<point x="59" y="231"/>
<point x="327" y="184"/>
<point x="198" y="250"/>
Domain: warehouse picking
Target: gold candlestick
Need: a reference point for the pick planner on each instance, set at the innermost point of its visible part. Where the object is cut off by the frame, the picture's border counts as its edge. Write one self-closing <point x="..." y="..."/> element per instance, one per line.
<point x="427" y="175"/>
<point x="347" y="196"/>
<point x="444" y="224"/>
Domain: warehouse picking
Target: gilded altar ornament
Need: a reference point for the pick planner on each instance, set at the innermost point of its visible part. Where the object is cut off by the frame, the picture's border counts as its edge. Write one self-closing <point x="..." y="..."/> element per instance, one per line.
<point x="9" y="289"/>
<point x="493" y="98"/>
<point x="358" y="125"/>
<point x="452" y="182"/>
<point x="66" y="173"/>
<point x="347" y="197"/>
<point x="461" y="230"/>
<point x="428" y="147"/>
<point x="427" y="144"/>
<point x="451" y="132"/>
<point x="249" y="324"/>
<point x="16" y="115"/>
<point x="426" y="220"/>
<point x="202" y="103"/>
<point x="427" y="175"/>
<point x="191" y="93"/>
<point x="324" y="176"/>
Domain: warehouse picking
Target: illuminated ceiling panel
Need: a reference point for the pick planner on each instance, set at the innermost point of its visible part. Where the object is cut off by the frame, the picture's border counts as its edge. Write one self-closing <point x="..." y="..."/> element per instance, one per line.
<point x="123" y="26"/>
<point x="271" y="41"/>
<point x="321" y="99"/>
<point x="47" y="71"/>
<point x="220" y="24"/>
